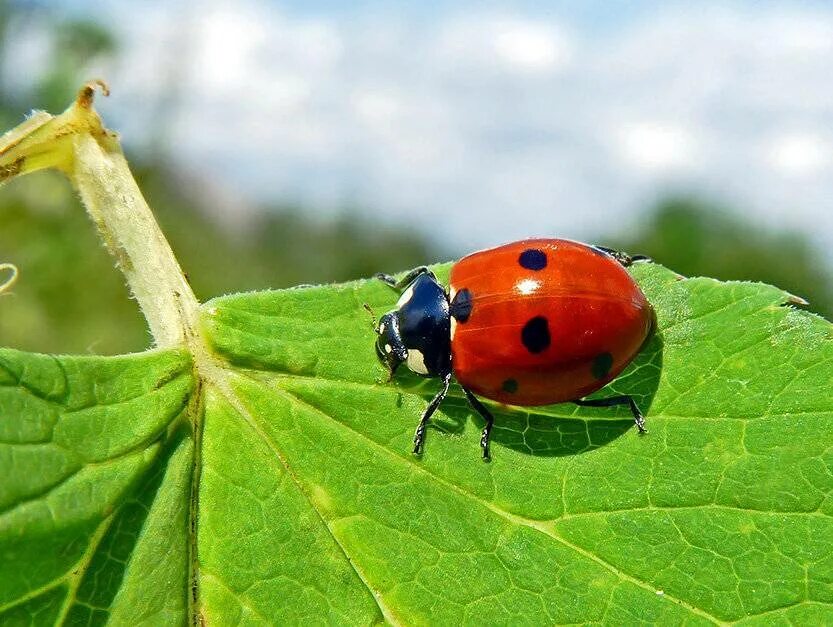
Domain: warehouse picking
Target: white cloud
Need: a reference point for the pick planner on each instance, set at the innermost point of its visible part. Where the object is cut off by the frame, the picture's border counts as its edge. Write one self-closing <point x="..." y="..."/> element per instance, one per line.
<point x="499" y="125"/>
<point x="491" y="43"/>
<point x="226" y="48"/>
<point x="530" y="47"/>
<point x="655" y="146"/>
<point x="798" y="154"/>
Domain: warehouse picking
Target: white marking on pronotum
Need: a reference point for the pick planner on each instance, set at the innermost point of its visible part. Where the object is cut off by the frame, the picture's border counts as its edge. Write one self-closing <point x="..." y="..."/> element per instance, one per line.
<point x="453" y="326"/>
<point x="388" y="348"/>
<point x="407" y="295"/>
<point x="381" y="328"/>
<point x="416" y="361"/>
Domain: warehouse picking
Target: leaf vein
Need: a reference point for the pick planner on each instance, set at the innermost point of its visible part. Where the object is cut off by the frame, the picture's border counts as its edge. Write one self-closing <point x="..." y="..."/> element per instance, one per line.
<point x="241" y="409"/>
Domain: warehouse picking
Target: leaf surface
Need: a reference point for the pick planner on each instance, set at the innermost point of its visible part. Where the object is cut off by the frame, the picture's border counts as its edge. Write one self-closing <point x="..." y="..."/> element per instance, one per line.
<point x="94" y="496"/>
<point x="278" y="481"/>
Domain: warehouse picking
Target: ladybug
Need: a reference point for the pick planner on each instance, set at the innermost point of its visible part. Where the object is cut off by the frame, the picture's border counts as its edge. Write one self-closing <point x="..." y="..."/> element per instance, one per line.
<point x="534" y="322"/>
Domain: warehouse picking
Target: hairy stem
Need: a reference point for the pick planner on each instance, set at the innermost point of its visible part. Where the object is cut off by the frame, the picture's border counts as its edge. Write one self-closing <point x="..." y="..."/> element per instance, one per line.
<point x="76" y="143"/>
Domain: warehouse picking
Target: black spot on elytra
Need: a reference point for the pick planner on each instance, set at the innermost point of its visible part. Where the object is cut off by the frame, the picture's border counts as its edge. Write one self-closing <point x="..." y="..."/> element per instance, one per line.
<point x="533" y="259"/>
<point x="536" y="334"/>
<point x="602" y="363"/>
<point x="510" y="386"/>
<point x="461" y="305"/>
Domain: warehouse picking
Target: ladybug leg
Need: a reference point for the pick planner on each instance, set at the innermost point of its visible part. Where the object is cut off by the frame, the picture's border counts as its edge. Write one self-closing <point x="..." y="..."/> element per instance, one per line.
<point x="405" y="280"/>
<point x="624" y="258"/>
<point x="487" y="416"/>
<point x="419" y="434"/>
<point x="638" y="418"/>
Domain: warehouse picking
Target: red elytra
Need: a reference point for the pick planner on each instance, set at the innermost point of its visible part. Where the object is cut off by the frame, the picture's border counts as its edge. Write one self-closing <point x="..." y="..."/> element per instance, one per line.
<point x="533" y="322"/>
<point x="585" y="320"/>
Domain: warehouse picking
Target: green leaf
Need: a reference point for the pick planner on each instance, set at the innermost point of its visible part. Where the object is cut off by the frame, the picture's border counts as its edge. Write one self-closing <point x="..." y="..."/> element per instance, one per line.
<point x="96" y="482"/>
<point x="721" y="512"/>
<point x="309" y="505"/>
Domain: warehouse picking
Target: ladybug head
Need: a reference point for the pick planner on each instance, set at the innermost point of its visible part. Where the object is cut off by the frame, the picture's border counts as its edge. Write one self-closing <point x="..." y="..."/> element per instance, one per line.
<point x="389" y="345"/>
<point x="417" y="332"/>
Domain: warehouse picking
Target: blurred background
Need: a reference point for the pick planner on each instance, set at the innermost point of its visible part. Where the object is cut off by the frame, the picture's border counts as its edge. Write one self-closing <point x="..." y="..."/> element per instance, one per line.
<point x="302" y="142"/>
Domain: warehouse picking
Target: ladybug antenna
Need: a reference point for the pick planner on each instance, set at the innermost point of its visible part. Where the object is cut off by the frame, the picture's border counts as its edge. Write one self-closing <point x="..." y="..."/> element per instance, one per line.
<point x="372" y="315"/>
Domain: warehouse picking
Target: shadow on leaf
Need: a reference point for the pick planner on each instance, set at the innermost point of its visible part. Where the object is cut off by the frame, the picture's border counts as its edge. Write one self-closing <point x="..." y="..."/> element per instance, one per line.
<point x="564" y="429"/>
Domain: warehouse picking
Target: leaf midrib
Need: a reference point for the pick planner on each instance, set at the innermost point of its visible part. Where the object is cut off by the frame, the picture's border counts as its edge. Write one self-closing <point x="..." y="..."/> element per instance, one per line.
<point x="229" y="395"/>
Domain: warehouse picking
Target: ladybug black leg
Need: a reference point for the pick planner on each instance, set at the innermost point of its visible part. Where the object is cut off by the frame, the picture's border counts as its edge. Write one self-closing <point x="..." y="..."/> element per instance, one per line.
<point x="419" y="434"/>
<point x="638" y="418"/>
<point x="487" y="416"/>
<point x="624" y="258"/>
<point x="405" y="280"/>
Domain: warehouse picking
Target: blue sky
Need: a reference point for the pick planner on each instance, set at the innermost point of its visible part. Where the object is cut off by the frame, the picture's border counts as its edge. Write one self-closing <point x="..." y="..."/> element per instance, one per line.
<point x="595" y="17"/>
<point x="482" y="122"/>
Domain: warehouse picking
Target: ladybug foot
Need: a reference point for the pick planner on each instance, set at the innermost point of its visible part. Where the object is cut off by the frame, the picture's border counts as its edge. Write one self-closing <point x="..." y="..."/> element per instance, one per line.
<point x="638" y="418"/>
<point x="419" y="440"/>
<point x="488" y="419"/>
<point x="484" y="445"/>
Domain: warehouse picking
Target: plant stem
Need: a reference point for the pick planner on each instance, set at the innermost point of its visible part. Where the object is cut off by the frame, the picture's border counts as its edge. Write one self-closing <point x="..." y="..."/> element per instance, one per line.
<point x="77" y="143"/>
